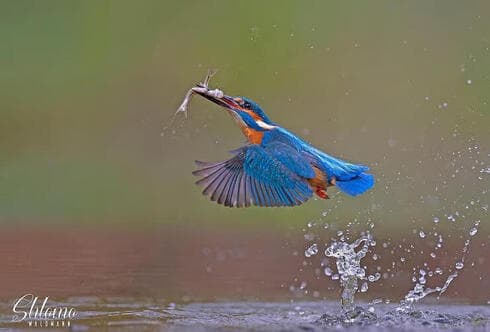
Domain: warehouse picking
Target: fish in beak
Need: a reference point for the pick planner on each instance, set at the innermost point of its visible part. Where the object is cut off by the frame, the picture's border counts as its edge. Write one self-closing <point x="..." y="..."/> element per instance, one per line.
<point x="217" y="96"/>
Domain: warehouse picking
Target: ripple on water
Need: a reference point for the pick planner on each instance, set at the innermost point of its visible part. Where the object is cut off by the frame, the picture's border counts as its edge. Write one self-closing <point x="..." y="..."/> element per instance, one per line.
<point x="136" y="314"/>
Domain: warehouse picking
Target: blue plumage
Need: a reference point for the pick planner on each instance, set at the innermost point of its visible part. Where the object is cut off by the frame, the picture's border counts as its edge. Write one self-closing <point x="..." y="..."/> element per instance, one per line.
<point x="334" y="168"/>
<point x="341" y="170"/>
<point x="357" y="185"/>
<point x="254" y="176"/>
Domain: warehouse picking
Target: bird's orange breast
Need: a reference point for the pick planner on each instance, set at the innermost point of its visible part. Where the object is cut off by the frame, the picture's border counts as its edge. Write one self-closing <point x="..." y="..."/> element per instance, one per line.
<point x="253" y="136"/>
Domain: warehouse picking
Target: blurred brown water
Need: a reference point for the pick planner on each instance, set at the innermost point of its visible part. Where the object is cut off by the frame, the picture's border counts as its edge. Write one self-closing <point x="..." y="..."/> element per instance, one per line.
<point x="182" y="264"/>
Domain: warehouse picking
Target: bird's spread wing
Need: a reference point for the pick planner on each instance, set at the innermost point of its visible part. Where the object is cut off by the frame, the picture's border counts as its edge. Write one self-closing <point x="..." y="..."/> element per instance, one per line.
<point x="272" y="175"/>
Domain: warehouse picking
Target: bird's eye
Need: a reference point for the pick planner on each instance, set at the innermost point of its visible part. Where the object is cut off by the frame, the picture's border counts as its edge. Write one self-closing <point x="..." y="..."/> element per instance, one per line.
<point x="247" y="105"/>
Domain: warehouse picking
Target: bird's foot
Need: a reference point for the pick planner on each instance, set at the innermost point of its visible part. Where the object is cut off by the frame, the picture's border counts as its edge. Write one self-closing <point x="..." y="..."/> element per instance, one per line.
<point x="322" y="193"/>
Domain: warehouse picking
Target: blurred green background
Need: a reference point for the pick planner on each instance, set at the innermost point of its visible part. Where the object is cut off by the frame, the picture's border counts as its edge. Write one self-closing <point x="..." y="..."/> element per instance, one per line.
<point x="89" y="90"/>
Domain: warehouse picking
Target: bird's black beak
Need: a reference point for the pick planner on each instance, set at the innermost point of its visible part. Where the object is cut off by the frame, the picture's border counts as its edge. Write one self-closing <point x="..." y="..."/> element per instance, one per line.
<point x="217" y="97"/>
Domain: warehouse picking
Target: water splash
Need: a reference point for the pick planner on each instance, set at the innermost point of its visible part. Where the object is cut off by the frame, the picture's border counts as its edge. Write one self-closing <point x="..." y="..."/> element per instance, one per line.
<point x="453" y="215"/>
<point x="420" y="289"/>
<point x="348" y="262"/>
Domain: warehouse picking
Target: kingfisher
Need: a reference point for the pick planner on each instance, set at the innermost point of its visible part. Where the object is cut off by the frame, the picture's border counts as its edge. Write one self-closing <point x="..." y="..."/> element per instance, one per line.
<point x="275" y="167"/>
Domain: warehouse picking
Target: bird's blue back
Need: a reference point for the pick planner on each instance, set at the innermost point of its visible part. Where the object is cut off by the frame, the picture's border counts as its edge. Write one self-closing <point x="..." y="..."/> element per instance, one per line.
<point x="333" y="167"/>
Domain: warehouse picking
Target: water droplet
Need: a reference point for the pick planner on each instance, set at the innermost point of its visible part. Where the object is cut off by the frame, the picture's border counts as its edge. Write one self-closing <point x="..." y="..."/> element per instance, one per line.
<point x="375" y="277"/>
<point x="433" y="255"/>
<point x="309" y="236"/>
<point x="473" y="231"/>
<point x="364" y="287"/>
<point x="443" y="105"/>
<point x="436" y="220"/>
<point x="328" y="271"/>
<point x="438" y="270"/>
<point x="469" y="82"/>
<point x="422" y="234"/>
<point x="459" y="265"/>
<point x="312" y="250"/>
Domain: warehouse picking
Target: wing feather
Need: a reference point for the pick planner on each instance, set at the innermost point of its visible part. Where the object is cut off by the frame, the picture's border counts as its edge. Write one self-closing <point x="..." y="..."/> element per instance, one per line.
<point x="258" y="176"/>
<point x="259" y="198"/>
<point x="231" y="189"/>
<point x="247" y="191"/>
<point x="209" y="177"/>
<point x="226" y="186"/>
<point x="219" y="185"/>
<point x="231" y="198"/>
<point x="212" y="183"/>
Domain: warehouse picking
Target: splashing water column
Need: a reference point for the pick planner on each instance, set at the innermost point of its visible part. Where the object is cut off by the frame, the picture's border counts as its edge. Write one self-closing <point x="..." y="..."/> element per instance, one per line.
<point x="349" y="285"/>
<point x="348" y="263"/>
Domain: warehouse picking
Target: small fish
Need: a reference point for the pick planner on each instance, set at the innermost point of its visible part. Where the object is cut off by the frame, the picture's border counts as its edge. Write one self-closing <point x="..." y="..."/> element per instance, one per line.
<point x="203" y="89"/>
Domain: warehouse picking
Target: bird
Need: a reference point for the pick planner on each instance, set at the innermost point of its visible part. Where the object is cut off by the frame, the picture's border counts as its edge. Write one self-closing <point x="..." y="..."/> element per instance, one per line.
<point x="276" y="168"/>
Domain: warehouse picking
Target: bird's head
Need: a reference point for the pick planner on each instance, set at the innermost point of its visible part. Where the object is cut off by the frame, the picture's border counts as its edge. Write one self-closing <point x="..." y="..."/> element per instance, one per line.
<point x="245" y="111"/>
<point x="252" y="108"/>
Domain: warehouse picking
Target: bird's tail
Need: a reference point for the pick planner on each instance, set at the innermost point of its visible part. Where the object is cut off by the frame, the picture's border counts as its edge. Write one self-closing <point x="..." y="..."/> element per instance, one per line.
<point x="356" y="185"/>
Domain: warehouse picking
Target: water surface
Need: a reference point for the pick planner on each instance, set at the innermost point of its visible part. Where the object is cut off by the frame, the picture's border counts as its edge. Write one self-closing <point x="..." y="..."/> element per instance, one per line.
<point x="127" y="314"/>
